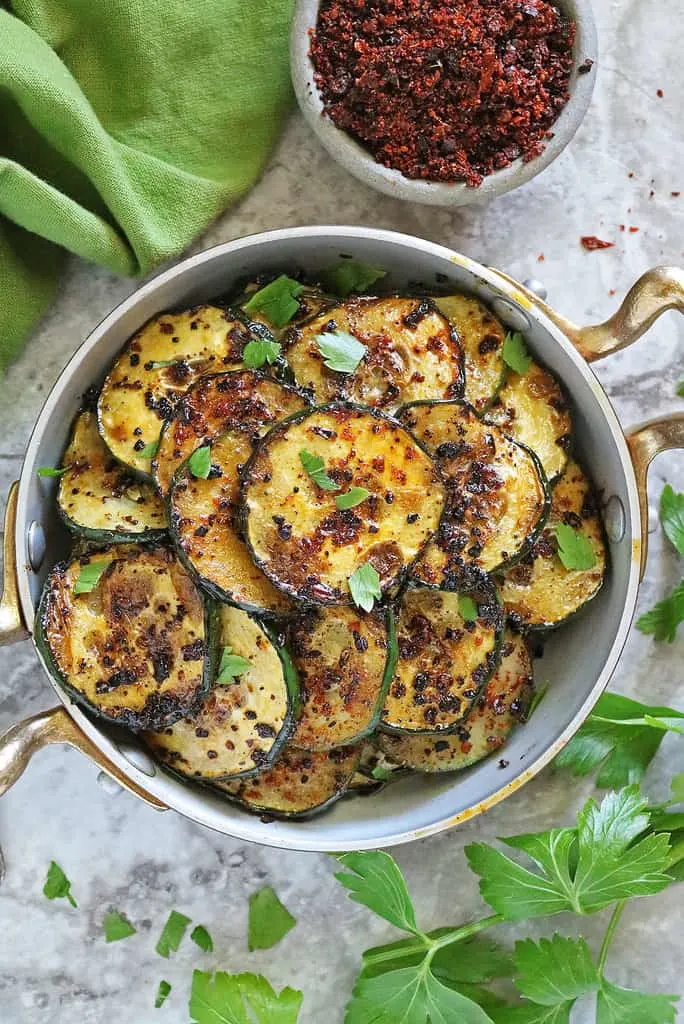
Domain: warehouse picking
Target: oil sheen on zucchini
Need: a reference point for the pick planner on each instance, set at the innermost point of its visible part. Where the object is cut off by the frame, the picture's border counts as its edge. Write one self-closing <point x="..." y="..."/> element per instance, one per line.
<point x="482" y="338"/>
<point x="213" y="405"/>
<point x="501" y="707"/>
<point x="100" y="499"/>
<point x="412" y="352"/>
<point x="157" y="365"/>
<point x="344" y="659"/>
<point x="134" y="649"/>
<point x="299" y="785"/>
<point x="241" y="724"/>
<point x="532" y="408"/>
<point x="497" y="496"/>
<point x="444" y="661"/>
<point x="539" y="592"/>
<point x="302" y="541"/>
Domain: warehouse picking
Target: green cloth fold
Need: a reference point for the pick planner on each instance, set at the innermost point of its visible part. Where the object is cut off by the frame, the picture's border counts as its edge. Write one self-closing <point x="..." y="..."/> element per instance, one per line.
<point x="126" y="126"/>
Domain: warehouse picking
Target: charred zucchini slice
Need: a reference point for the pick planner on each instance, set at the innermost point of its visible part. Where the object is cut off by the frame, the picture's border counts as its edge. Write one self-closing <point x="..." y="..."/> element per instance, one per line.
<point x="532" y="409"/>
<point x="445" y="658"/>
<point x="412" y="352"/>
<point x="134" y="648"/>
<point x="482" y="338"/>
<point x="497" y="495"/>
<point x="202" y="518"/>
<point x="302" y="541"/>
<point x="101" y="500"/>
<point x="345" y="660"/>
<point x="501" y="707"/>
<point x="299" y="785"/>
<point x="539" y="592"/>
<point x="212" y="406"/>
<point x="157" y="365"/>
<point x="241" y="724"/>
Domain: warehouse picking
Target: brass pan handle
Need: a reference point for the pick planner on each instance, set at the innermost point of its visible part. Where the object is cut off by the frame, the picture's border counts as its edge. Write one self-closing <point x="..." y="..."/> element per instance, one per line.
<point x="645" y="442"/>
<point x="12" y="626"/>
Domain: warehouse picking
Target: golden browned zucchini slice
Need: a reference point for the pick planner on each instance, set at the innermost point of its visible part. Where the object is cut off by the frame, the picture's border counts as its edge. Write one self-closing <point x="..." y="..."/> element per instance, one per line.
<point x="501" y="707"/>
<point x="214" y="405"/>
<point x="242" y="723"/>
<point x="133" y="648"/>
<point x="532" y="408"/>
<point x="445" y="657"/>
<point x="497" y="496"/>
<point x="539" y="592"/>
<point x="203" y="523"/>
<point x="344" y="659"/>
<point x="100" y="499"/>
<point x="299" y="785"/>
<point x="301" y="540"/>
<point x="412" y="352"/>
<point x="482" y="338"/>
<point x="157" y="365"/>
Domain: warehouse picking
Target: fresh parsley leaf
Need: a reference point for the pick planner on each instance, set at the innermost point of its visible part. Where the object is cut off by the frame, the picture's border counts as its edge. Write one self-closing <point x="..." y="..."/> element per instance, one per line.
<point x="677" y="788"/>
<point x="412" y="995"/>
<point x="471" y="961"/>
<point x="50" y="471"/>
<point x="315" y="467"/>
<point x="159" y="364"/>
<point x="231" y="665"/>
<point x="57" y="885"/>
<point x="515" y="352"/>
<point x="341" y="352"/>
<point x="350" y="276"/>
<point x="375" y="881"/>
<point x="554" y="970"/>
<point x="364" y="585"/>
<point x="199" y="462"/>
<point x="277" y="301"/>
<point x="117" y="927"/>
<point x="532" y="1013"/>
<point x="467" y="608"/>
<point x="269" y="920"/>
<point x="574" y="548"/>
<point x="89" y="577"/>
<point x="663" y="619"/>
<point x="353" y="497"/>
<point x="240" y="999"/>
<point x="163" y="992"/>
<point x="625" y="1006"/>
<point x="672" y="516"/>
<point x="201" y="937"/>
<point x="382" y="772"/>
<point x="673" y="724"/>
<point x="256" y="353"/>
<point x="149" y="451"/>
<point x="172" y="934"/>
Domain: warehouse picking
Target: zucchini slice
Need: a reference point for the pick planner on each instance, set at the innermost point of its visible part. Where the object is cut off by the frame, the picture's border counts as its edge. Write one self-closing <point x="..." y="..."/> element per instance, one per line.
<point x="444" y="661"/>
<point x="101" y="500"/>
<point x="157" y="365"/>
<point x="532" y="409"/>
<point x="242" y="724"/>
<point x="345" y="660"/>
<point x="133" y="649"/>
<point x="299" y="785"/>
<point x="412" y="352"/>
<point x="501" y="707"/>
<point x="212" y="406"/>
<point x="539" y="592"/>
<point x="203" y="524"/>
<point x="302" y="541"/>
<point x="497" y="495"/>
<point x="482" y="337"/>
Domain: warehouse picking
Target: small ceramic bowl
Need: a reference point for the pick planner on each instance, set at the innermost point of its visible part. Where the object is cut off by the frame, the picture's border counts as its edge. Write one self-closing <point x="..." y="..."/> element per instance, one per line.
<point x="359" y="162"/>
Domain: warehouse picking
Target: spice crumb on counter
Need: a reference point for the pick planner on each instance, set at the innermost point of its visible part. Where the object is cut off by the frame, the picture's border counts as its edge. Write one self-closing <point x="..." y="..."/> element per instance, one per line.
<point x="591" y="243"/>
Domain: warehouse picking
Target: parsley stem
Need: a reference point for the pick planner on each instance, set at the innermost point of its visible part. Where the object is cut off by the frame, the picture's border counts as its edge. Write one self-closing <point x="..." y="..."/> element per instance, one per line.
<point x="610" y="931"/>
<point x="465" y="931"/>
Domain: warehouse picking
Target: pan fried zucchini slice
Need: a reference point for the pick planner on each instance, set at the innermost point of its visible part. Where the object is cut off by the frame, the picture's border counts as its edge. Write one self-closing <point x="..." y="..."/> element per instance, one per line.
<point x="202" y="519"/>
<point x="482" y="337"/>
<point x="497" y="496"/>
<point x="444" y="660"/>
<point x="539" y="592"/>
<point x="532" y="409"/>
<point x="302" y="541"/>
<point x="299" y="785"/>
<point x="241" y="724"/>
<point x="501" y="707"/>
<point x="345" y="660"/>
<point x="412" y="352"/>
<point x="157" y="365"/>
<point x="101" y="500"/>
<point x="133" y="649"/>
<point x="214" y="405"/>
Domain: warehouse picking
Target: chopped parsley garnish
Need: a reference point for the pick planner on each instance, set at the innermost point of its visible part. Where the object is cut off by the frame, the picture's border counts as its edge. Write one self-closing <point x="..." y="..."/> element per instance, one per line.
<point x="269" y="920"/>
<point x="159" y="364"/>
<point x="57" y="885"/>
<point x="276" y="301"/>
<point x="89" y="577"/>
<point x="315" y="467"/>
<point x="364" y="585"/>
<point x="231" y="665"/>
<point x="172" y="934"/>
<point x="515" y="352"/>
<point x="199" y="462"/>
<point x="201" y="937"/>
<point x="163" y="992"/>
<point x="353" y="497"/>
<point x="51" y="471"/>
<point x="341" y="352"/>
<point x="467" y="608"/>
<point x="117" y="927"/>
<point x="149" y="451"/>
<point x="350" y="276"/>
<point x="260" y="351"/>
<point x="574" y="548"/>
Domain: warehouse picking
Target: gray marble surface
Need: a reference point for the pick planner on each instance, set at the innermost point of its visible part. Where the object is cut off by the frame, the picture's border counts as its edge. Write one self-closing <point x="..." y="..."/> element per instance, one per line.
<point x="622" y="168"/>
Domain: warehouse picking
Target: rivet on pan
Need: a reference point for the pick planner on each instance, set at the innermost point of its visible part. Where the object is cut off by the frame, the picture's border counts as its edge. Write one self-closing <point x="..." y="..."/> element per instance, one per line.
<point x="108" y="784"/>
<point x="653" y="518"/>
<point x="614" y="519"/>
<point x="535" y="286"/>
<point x="138" y="758"/>
<point x="35" y="543"/>
<point x="511" y="315"/>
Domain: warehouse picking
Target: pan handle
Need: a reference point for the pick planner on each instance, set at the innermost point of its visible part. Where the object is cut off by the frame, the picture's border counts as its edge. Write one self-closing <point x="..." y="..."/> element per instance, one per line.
<point x="12" y="625"/>
<point x="645" y="442"/>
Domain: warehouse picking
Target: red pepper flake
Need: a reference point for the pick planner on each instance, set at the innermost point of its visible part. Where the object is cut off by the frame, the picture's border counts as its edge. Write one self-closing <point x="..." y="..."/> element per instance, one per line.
<point x="444" y="90"/>
<point x="622" y="227"/>
<point x="659" y="94"/>
<point x="540" y="257"/>
<point x="633" y="231"/>
<point x="591" y="243"/>
<point x="675" y="195"/>
<point x="612" y="291"/>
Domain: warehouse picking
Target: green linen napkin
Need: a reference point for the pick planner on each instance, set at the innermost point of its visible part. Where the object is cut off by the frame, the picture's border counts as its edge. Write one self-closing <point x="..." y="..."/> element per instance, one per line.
<point x="126" y="126"/>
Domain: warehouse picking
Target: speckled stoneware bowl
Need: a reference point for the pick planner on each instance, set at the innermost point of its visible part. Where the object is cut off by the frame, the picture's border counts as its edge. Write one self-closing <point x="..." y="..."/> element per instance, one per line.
<point x="358" y="160"/>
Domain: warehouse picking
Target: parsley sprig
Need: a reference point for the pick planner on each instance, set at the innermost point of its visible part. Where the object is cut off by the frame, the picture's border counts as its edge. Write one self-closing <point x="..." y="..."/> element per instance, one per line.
<point x="662" y="621"/>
